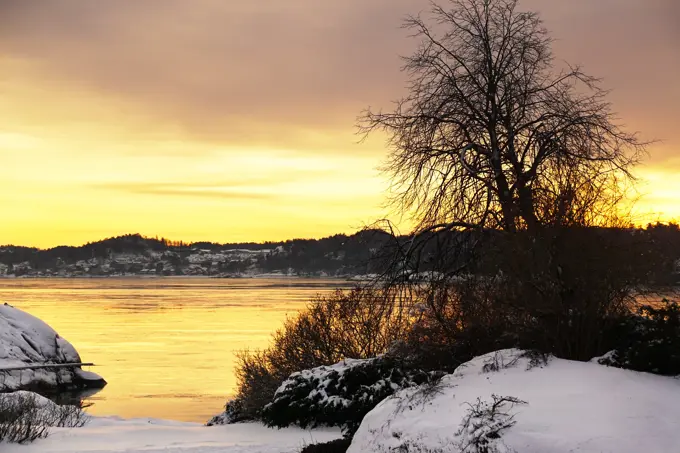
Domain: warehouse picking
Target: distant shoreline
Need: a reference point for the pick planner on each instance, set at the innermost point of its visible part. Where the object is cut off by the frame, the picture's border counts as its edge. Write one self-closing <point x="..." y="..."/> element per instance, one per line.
<point x="160" y="277"/>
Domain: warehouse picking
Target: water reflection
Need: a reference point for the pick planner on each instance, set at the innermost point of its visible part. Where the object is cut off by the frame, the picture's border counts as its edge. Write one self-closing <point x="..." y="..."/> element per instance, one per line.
<point x="165" y="346"/>
<point x="81" y="398"/>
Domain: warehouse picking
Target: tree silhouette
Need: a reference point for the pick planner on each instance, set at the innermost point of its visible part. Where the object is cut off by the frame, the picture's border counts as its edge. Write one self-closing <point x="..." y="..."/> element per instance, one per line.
<point x="493" y="135"/>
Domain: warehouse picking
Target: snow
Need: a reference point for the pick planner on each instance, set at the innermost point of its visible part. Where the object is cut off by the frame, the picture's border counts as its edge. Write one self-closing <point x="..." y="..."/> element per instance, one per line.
<point x="325" y="375"/>
<point x="40" y="401"/>
<point x="26" y="340"/>
<point x="570" y="407"/>
<point x="114" y="435"/>
<point x="87" y="375"/>
<point x="202" y="255"/>
<point x="322" y="372"/>
<point x="363" y="277"/>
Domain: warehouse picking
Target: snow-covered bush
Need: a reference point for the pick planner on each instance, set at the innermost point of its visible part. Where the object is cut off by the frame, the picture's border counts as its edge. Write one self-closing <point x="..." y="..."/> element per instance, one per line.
<point x="26" y="416"/>
<point x="233" y="413"/>
<point x="340" y="394"/>
<point x="649" y="341"/>
<point x="334" y="446"/>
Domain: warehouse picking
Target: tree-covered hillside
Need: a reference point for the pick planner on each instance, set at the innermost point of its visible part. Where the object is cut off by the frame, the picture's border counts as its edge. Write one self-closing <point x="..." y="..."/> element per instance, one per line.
<point x="134" y="254"/>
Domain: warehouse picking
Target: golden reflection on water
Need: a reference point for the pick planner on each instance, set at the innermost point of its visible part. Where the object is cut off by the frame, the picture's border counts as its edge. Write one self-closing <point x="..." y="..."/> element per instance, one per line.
<point x="165" y="346"/>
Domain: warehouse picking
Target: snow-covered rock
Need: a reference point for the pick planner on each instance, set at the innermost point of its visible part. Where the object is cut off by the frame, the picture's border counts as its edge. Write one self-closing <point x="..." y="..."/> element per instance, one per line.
<point x="555" y="406"/>
<point x="26" y="341"/>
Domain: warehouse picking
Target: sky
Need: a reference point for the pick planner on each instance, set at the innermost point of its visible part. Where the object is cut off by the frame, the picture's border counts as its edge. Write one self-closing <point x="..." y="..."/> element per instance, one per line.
<point x="229" y="120"/>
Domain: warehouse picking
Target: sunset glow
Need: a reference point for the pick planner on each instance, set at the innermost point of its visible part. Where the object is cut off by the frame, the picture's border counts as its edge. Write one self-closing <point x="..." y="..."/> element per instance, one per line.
<point x="234" y="121"/>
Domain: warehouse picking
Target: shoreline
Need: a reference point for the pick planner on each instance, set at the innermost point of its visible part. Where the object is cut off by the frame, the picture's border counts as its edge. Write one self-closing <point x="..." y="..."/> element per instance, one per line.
<point x="159" y="277"/>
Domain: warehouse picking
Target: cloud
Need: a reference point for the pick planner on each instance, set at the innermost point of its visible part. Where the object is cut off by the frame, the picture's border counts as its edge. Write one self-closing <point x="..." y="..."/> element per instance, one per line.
<point x="267" y="71"/>
<point x="292" y="74"/>
<point x="205" y="64"/>
<point x="231" y="192"/>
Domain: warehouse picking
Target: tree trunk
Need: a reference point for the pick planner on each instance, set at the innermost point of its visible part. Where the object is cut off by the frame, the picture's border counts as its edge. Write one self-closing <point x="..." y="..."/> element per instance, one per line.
<point x="526" y="206"/>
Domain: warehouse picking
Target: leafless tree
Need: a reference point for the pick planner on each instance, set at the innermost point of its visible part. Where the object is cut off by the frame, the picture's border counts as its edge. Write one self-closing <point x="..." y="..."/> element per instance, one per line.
<point x="493" y="135"/>
<point x="497" y="151"/>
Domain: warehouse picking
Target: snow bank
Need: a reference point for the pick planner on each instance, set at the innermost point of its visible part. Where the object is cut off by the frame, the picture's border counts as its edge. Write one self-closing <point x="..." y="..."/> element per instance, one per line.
<point x="570" y="407"/>
<point x="111" y="435"/>
<point x="26" y="340"/>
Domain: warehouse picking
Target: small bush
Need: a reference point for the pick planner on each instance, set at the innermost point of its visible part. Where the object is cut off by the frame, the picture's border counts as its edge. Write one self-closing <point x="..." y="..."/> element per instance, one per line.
<point x="233" y="413"/>
<point x="485" y="423"/>
<point x="258" y="378"/>
<point x="334" y="446"/>
<point x="340" y="395"/>
<point x="26" y="417"/>
<point x="649" y="341"/>
<point x="498" y="361"/>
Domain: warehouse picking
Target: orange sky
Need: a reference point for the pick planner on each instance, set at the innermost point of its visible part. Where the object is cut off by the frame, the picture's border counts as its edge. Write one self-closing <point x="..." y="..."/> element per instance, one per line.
<point x="230" y="120"/>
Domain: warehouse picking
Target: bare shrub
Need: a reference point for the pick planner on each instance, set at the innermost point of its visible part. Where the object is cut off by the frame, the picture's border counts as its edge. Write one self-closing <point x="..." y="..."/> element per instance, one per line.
<point x="421" y="395"/>
<point x="559" y="291"/>
<point x="457" y="321"/>
<point x="484" y="424"/>
<point x="565" y="290"/>
<point x="26" y="417"/>
<point x="361" y="323"/>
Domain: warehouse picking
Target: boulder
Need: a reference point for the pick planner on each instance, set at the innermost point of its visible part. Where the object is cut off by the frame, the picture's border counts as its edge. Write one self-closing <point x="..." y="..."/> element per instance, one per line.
<point x="26" y="345"/>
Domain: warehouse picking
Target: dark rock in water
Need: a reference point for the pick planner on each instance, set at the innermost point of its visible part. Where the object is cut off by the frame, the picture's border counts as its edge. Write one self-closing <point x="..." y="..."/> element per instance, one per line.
<point x="34" y="357"/>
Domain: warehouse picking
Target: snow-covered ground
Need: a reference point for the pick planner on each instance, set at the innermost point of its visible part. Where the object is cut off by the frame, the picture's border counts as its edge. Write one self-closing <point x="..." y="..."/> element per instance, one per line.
<point x="570" y="407"/>
<point x="555" y="406"/>
<point x="27" y="341"/>
<point x="114" y="435"/>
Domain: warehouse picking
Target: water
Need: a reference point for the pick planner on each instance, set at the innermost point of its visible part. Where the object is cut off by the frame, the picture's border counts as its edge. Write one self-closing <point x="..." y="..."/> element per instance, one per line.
<point x="165" y="346"/>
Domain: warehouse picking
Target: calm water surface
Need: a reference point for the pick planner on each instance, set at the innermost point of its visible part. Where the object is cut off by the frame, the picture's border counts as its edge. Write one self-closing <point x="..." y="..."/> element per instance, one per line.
<point x="165" y="346"/>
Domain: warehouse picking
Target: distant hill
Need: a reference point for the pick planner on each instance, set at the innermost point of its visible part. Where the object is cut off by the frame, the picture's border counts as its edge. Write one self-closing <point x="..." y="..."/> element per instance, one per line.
<point x="340" y="255"/>
<point x="134" y="254"/>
